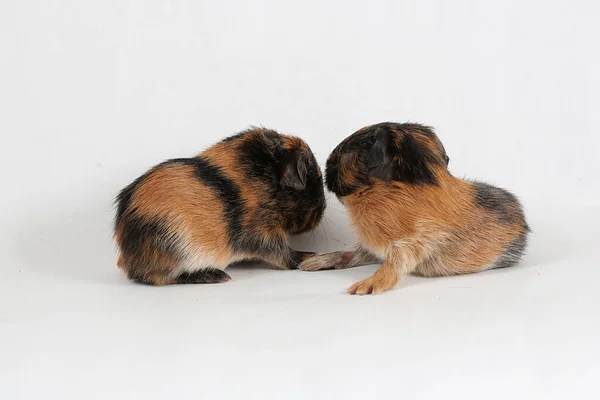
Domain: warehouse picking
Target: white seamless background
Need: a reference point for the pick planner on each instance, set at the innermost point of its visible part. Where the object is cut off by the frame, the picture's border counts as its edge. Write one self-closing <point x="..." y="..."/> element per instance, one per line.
<point x="92" y="93"/>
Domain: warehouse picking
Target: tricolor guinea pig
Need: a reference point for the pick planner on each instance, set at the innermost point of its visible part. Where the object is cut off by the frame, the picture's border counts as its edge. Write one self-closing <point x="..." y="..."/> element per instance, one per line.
<point x="187" y="219"/>
<point x="412" y="215"/>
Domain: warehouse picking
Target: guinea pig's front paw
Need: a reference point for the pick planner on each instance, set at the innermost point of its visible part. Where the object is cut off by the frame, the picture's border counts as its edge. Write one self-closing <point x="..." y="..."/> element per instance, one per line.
<point x="373" y="285"/>
<point x="298" y="257"/>
<point x="317" y="263"/>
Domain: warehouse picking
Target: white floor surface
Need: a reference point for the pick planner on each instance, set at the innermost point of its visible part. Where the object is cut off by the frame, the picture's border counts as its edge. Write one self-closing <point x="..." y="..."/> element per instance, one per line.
<point x="72" y="327"/>
<point x="93" y="93"/>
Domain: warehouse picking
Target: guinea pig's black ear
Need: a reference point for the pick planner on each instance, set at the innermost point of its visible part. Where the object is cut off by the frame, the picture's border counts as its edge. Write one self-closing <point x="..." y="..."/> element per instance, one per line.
<point x="381" y="156"/>
<point x="295" y="170"/>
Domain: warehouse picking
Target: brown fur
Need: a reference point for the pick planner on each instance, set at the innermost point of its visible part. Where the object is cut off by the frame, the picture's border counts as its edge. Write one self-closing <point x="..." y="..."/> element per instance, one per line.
<point x="173" y="191"/>
<point x="428" y="229"/>
<point x="186" y="216"/>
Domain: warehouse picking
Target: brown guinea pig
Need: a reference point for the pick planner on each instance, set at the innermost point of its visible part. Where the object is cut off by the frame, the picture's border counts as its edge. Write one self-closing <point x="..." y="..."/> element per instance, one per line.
<point x="187" y="219"/>
<point x="411" y="214"/>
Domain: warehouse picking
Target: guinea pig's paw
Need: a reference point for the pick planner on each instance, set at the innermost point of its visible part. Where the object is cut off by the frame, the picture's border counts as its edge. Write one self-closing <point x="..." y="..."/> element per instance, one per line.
<point x="298" y="257"/>
<point x="317" y="263"/>
<point x="208" y="275"/>
<point x="373" y="285"/>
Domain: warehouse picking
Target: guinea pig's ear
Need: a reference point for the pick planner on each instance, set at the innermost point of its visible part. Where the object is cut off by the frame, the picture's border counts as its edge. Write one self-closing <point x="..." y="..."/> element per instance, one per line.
<point x="408" y="161"/>
<point x="381" y="156"/>
<point x="295" y="170"/>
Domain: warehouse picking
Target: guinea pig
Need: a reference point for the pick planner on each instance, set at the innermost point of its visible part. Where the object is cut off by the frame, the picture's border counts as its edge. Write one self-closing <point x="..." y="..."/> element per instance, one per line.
<point x="187" y="219"/>
<point x="412" y="215"/>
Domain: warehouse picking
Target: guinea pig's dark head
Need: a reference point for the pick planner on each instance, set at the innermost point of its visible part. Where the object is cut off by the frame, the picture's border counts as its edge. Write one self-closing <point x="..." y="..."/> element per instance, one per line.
<point x="288" y="166"/>
<point x="408" y="153"/>
<point x="301" y="184"/>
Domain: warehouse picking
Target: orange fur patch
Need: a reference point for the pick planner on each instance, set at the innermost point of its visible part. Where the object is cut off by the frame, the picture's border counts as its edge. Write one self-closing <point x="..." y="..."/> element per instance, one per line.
<point x="174" y="195"/>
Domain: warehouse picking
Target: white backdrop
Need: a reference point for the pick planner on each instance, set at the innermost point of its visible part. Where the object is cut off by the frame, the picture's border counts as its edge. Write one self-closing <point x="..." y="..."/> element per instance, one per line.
<point x="93" y="93"/>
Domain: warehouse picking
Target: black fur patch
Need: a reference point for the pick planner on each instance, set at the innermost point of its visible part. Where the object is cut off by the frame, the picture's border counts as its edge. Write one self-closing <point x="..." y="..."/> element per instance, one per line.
<point x="310" y="219"/>
<point x="137" y="231"/>
<point x="227" y="190"/>
<point x="125" y="196"/>
<point x="233" y="138"/>
<point x="336" y="185"/>
<point x="257" y="159"/>
<point x="332" y="167"/>
<point x="139" y="275"/>
<point x="267" y="218"/>
<point x="296" y="205"/>
<point x="413" y="163"/>
<point x="380" y="158"/>
<point x="496" y="200"/>
<point x="513" y="253"/>
<point x="208" y="275"/>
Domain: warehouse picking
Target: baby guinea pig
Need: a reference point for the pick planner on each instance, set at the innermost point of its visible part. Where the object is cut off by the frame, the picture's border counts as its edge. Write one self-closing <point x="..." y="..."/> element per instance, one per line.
<point x="411" y="214"/>
<point x="187" y="219"/>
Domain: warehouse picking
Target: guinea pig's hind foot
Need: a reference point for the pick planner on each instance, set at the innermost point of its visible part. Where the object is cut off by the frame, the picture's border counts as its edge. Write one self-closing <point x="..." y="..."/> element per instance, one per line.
<point x="206" y="275"/>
